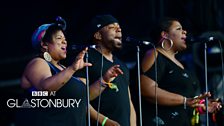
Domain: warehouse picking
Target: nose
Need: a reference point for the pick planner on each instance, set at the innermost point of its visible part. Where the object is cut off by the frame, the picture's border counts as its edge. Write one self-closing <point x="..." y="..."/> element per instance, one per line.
<point x="64" y="41"/>
<point x="184" y="32"/>
<point x="118" y="29"/>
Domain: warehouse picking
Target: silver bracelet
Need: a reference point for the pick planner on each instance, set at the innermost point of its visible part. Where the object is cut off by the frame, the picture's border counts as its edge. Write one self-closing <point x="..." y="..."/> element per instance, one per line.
<point x="185" y="102"/>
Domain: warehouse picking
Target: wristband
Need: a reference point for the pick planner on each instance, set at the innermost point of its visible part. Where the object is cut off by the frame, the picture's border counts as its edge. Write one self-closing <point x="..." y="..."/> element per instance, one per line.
<point x="104" y="121"/>
<point x="109" y="84"/>
<point x="185" y="102"/>
<point x="103" y="84"/>
<point x="112" y="86"/>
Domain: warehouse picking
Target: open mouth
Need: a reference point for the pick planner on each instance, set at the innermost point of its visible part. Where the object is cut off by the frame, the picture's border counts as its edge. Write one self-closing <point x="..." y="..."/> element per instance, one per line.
<point x="118" y="38"/>
<point x="63" y="48"/>
<point x="183" y="38"/>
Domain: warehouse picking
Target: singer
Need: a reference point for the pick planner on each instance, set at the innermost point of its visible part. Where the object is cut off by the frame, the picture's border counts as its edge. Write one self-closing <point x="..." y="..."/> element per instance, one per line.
<point x="45" y="73"/>
<point x="172" y="91"/>
<point x="114" y="103"/>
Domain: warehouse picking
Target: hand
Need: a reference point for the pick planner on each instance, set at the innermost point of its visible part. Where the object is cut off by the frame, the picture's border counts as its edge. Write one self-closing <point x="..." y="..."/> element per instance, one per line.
<point x="110" y="122"/>
<point x="111" y="73"/>
<point x="194" y="102"/>
<point x="79" y="62"/>
<point x="214" y="105"/>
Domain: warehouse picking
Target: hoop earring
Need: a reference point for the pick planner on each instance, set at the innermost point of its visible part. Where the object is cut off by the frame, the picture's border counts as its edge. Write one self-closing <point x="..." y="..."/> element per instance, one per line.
<point x="47" y="56"/>
<point x="171" y="43"/>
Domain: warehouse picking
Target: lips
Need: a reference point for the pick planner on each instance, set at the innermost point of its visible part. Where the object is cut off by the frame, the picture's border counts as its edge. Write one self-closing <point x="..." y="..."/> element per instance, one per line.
<point x="64" y="49"/>
<point x="183" y="38"/>
<point x="118" y="38"/>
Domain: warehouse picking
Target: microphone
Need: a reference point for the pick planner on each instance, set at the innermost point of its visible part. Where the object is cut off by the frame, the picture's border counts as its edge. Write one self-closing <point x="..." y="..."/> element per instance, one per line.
<point x="137" y="42"/>
<point x="199" y="40"/>
<point x="77" y="47"/>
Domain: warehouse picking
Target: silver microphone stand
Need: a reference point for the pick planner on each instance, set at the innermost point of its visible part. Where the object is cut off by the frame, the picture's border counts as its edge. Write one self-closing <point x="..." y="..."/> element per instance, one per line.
<point x="87" y="89"/>
<point x="206" y="83"/>
<point x="139" y="87"/>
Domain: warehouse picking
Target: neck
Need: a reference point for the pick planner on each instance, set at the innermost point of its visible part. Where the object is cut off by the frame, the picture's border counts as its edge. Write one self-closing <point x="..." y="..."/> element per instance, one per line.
<point x="170" y="53"/>
<point x="106" y="52"/>
<point x="55" y="63"/>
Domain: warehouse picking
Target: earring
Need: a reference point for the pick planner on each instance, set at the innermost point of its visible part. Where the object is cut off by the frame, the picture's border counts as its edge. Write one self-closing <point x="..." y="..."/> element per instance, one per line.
<point x="47" y="56"/>
<point x="171" y="43"/>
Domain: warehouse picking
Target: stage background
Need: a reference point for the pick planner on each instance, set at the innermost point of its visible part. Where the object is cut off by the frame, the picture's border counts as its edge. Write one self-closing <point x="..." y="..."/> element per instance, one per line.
<point x="201" y="18"/>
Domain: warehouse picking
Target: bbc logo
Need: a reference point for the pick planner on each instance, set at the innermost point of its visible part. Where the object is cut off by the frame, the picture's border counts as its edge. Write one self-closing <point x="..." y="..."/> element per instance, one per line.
<point x="39" y="93"/>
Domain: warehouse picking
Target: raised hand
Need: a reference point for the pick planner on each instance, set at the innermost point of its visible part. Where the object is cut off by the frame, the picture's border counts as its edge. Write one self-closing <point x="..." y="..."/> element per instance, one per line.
<point x="79" y="61"/>
<point x="111" y="73"/>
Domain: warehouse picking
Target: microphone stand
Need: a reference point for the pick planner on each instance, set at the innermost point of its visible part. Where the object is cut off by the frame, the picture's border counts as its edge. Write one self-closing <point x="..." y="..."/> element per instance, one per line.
<point x="206" y="83"/>
<point x="139" y="87"/>
<point x="87" y="89"/>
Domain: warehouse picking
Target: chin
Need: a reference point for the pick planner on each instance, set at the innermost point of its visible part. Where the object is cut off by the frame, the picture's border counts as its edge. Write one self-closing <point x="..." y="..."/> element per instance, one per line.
<point x="118" y="47"/>
<point x="63" y="57"/>
<point x="182" y="48"/>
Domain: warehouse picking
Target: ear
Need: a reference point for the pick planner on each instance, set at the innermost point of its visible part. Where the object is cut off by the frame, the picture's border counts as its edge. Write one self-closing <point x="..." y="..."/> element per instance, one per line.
<point x="97" y="36"/>
<point x="164" y="34"/>
<point x="44" y="45"/>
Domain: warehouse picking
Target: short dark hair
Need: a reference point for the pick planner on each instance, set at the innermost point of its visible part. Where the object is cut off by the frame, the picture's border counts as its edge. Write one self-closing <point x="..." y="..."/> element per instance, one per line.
<point x="163" y="25"/>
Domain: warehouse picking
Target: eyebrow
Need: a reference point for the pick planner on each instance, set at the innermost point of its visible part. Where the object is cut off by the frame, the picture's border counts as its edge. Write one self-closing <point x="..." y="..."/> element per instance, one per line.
<point x="59" y="35"/>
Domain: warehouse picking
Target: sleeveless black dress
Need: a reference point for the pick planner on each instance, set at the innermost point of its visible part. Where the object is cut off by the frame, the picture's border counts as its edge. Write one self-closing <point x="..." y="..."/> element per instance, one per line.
<point x="174" y="79"/>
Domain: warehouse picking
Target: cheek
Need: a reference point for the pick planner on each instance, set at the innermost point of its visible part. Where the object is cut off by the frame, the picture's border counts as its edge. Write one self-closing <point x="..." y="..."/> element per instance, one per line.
<point x="175" y="37"/>
<point x="107" y="36"/>
<point x="111" y="33"/>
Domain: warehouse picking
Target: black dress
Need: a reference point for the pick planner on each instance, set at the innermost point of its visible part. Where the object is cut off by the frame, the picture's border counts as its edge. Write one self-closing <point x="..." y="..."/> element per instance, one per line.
<point x="57" y="115"/>
<point x="174" y="79"/>
<point x="114" y="105"/>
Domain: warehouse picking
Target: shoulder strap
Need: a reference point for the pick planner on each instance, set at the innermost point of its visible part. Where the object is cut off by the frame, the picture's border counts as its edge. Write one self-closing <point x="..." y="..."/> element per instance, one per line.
<point x="52" y="66"/>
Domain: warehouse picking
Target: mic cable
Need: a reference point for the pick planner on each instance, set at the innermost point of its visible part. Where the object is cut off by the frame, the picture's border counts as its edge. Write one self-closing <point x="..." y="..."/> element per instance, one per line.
<point x="156" y="85"/>
<point x="101" y="83"/>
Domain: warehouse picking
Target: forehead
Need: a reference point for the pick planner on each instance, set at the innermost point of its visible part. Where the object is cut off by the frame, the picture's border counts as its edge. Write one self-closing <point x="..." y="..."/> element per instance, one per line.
<point x="58" y="32"/>
<point x="111" y="25"/>
<point x="175" y="24"/>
